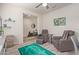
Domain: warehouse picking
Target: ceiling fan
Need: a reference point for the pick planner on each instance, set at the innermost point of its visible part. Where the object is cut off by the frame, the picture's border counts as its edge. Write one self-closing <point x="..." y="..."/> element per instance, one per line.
<point x="43" y="4"/>
<point x="47" y="5"/>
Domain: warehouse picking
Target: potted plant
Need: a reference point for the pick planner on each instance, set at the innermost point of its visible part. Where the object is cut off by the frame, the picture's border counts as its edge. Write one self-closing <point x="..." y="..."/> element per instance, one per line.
<point x="1" y="31"/>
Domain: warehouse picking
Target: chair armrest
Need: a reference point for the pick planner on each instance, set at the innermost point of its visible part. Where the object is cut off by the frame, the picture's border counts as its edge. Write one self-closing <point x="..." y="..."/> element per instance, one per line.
<point x="57" y="37"/>
<point x="50" y="34"/>
<point x="65" y="41"/>
<point x="40" y="36"/>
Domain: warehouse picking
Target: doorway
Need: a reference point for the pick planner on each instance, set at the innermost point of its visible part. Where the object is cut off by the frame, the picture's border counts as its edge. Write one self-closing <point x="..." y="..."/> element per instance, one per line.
<point x="29" y="26"/>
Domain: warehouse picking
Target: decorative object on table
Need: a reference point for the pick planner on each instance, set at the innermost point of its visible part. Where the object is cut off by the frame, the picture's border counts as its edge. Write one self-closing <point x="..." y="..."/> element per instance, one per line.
<point x="30" y="34"/>
<point x="35" y="32"/>
<point x="34" y="49"/>
<point x="61" y="21"/>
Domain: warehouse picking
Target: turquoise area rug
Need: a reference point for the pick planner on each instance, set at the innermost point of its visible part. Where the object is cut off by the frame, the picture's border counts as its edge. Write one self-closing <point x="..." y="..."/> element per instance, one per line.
<point x="34" y="49"/>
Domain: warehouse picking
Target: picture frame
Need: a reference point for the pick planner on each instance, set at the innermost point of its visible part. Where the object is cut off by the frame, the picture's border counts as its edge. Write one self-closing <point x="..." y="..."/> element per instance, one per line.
<point x="61" y="21"/>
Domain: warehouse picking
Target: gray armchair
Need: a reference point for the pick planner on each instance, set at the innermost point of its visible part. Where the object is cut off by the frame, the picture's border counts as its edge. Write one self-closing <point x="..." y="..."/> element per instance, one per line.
<point x="43" y="38"/>
<point x="64" y="43"/>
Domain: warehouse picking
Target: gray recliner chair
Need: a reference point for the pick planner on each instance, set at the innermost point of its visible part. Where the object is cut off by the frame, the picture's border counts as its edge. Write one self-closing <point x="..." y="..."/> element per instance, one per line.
<point x="64" y="43"/>
<point x="43" y="38"/>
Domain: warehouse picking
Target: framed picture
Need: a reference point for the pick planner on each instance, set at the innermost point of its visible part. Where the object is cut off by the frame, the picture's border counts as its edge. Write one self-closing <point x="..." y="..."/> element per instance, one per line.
<point x="60" y="21"/>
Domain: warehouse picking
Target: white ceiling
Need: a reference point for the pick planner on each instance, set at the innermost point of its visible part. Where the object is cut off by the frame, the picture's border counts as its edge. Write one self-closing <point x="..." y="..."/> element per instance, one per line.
<point x="41" y="9"/>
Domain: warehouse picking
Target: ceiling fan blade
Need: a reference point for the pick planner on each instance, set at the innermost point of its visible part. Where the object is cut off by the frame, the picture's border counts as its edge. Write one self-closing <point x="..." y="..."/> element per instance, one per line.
<point x="38" y="5"/>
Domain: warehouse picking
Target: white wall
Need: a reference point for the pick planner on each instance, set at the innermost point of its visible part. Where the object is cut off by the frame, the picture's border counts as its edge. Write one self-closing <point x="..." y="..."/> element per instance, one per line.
<point x="72" y="19"/>
<point x="15" y="13"/>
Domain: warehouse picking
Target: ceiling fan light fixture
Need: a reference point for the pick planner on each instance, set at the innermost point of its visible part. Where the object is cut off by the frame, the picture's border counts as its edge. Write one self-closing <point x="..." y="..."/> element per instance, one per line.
<point x="44" y="4"/>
